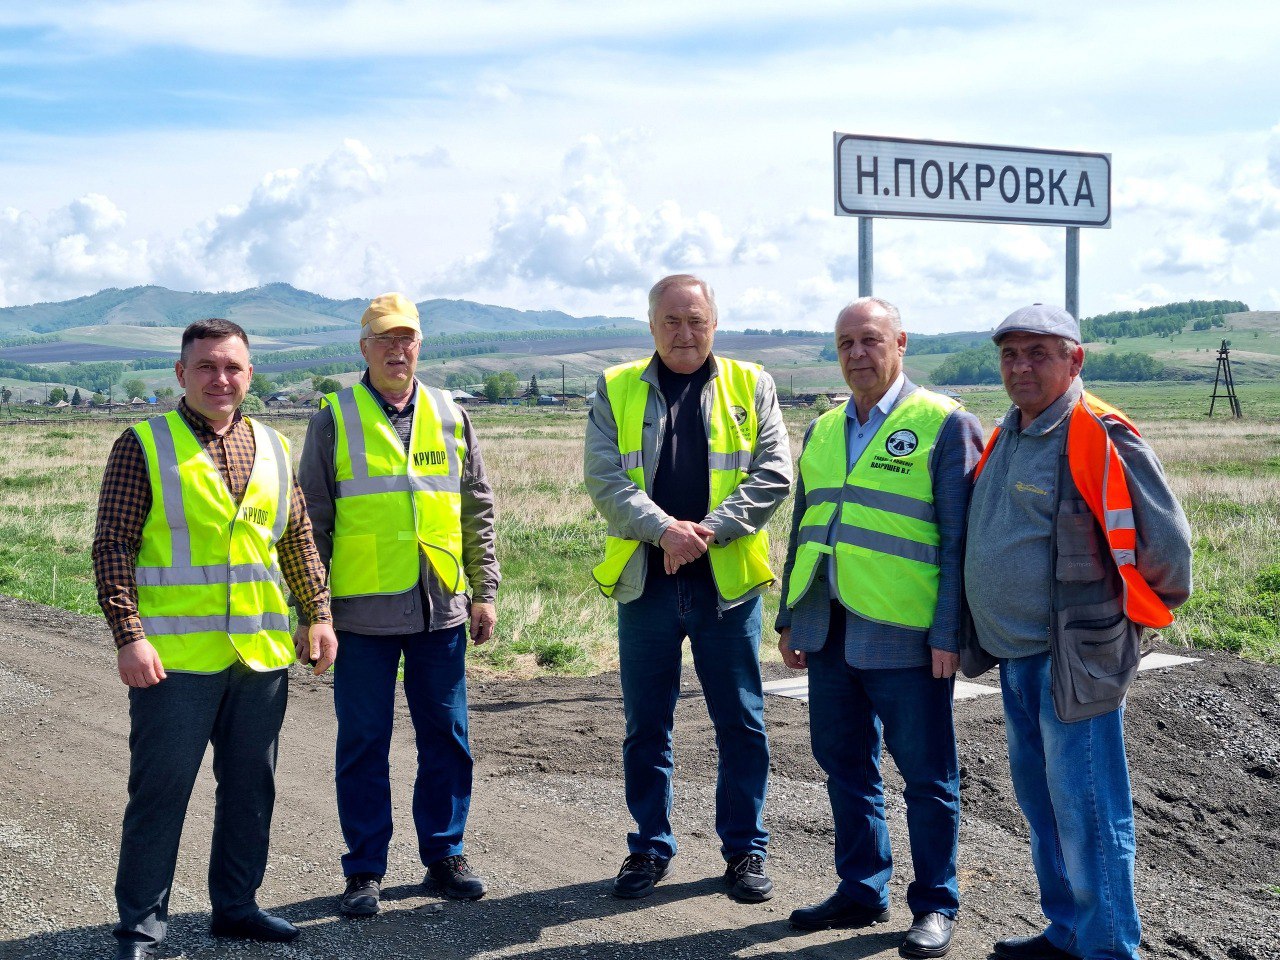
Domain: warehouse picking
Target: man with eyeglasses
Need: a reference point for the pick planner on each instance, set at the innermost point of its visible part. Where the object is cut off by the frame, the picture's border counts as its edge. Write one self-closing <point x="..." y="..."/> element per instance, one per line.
<point x="403" y="517"/>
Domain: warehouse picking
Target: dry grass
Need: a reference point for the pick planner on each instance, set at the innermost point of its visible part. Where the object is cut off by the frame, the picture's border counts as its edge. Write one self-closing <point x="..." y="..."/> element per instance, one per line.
<point x="551" y="617"/>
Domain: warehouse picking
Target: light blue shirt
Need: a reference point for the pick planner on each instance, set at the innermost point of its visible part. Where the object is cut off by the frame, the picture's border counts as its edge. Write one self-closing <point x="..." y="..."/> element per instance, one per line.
<point x="857" y="437"/>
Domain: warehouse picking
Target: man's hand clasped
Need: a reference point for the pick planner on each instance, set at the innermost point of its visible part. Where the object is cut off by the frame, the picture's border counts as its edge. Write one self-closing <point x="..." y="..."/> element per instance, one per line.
<point x="684" y="542"/>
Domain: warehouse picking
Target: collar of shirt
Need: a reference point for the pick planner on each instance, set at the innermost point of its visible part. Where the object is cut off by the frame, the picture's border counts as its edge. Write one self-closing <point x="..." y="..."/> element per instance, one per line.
<point x="857" y="435"/>
<point x="387" y="407"/>
<point x="1050" y="417"/>
<point x="200" y="426"/>
<point x="882" y="408"/>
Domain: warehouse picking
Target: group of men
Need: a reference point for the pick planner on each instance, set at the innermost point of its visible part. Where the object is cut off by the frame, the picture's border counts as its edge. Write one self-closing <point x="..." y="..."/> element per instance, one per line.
<point x="914" y="551"/>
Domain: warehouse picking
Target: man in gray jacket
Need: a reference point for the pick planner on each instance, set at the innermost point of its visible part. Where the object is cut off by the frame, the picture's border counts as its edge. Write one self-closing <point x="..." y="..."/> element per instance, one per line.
<point x="872" y="599"/>
<point x="686" y="459"/>
<point x="1076" y="545"/>
<point x="403" y="517"/>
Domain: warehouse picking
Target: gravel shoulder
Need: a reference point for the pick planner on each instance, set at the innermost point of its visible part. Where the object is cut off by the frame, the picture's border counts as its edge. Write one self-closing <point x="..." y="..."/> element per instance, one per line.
<point x="548" y="823"/>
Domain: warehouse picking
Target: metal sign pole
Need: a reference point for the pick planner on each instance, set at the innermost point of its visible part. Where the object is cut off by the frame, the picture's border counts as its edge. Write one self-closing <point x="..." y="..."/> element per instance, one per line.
<point x="864" y="256"/>
<point x="1073" y="272"/>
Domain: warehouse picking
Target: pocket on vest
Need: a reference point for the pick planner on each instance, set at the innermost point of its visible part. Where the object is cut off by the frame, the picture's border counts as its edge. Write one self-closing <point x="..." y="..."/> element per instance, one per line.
<point x="1079" y="557"/>
<point x="1102" y="648"/>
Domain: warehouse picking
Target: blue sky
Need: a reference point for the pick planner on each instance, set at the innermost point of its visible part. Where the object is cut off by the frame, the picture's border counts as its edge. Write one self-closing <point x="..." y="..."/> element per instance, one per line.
<point x="563" y="154"/>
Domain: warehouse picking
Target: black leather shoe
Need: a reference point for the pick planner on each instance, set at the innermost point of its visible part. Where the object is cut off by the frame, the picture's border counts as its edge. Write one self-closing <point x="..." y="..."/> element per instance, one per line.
<point x="746" y="878"/>
<point x="362" y="896"/>
<point x="1030" y="948"/>
<point x="454" y="877"/>
<point x="135" y="950"/>
<point x="260" y="926"/>
<point x="929" y="936"/>
<point x="838" y="911"/>
<point x="640" y="871"/>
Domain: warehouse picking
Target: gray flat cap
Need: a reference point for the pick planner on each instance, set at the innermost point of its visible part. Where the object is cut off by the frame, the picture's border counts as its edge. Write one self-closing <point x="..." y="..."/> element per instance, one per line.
<point x="1039" y="318"/>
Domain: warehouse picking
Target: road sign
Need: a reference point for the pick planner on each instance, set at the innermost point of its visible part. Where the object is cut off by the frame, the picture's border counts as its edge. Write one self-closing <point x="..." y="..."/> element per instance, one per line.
<point x="935" y="180"/>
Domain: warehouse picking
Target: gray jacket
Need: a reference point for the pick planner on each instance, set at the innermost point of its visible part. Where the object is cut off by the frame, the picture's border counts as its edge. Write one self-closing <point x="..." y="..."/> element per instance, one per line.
<point x="1038" y="574"/>
<point x="404" y="612"/>
<point x="632" y="515"/>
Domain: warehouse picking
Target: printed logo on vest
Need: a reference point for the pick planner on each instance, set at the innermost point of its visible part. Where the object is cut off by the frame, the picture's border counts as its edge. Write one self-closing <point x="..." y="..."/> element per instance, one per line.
<point x="902" y="443"/>
<point x="739" y="414"/>
<point x="429" y="458"/>
<point x="254" y="515"/>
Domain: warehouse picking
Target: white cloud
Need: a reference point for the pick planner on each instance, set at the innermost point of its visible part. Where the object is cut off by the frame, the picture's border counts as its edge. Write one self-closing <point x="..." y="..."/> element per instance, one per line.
<point x="592" y="235"/>
<point x="77" y="249"/>
<point x="291" y="228"/>
<point x="1185" y="253"/>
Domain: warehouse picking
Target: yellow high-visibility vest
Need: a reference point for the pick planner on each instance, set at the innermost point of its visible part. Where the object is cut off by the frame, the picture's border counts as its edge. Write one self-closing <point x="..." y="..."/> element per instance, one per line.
<point x="209" y="582"/>
<point x="886" y="532"/>
<point x="742" y="565"/>
<point x="392" y="506"/>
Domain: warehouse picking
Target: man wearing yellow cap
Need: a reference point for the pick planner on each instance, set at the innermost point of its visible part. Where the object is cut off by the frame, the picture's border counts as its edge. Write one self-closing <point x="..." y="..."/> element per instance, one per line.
<point x="403" y="517"/>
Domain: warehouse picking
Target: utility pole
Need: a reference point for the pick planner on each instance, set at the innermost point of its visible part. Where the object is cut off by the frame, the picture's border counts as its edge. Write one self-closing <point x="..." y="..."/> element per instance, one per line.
<point x="562" y="398"/>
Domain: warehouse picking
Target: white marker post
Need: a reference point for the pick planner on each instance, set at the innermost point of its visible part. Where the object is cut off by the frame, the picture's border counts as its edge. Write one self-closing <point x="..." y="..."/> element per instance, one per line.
<point x="934" y="180"/>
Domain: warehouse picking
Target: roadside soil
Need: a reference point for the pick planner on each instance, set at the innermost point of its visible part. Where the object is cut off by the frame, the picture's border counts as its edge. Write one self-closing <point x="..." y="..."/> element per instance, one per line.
<point x="548" y="823"/>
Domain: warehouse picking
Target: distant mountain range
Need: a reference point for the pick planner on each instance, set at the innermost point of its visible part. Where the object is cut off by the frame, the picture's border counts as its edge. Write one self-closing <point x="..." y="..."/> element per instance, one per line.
<point x="275" y="308"/>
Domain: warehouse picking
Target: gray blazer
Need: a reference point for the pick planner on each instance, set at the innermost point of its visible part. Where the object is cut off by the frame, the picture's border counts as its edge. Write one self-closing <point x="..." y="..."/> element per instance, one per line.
<point x="871" y="645"/>
<point x="629" y="511"/>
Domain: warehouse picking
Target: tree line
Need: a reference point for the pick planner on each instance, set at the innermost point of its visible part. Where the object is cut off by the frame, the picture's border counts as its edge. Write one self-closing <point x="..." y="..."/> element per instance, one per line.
<point x="1164" y="320"/>
<point x="982" y="366"/>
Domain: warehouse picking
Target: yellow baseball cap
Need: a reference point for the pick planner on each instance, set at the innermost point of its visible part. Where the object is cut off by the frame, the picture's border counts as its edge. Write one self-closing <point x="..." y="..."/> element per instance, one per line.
<point x="390" y="311"/>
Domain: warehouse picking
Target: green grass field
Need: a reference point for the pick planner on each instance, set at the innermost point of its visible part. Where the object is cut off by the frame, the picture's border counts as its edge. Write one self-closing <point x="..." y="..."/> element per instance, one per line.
<point x="551" y="617"/>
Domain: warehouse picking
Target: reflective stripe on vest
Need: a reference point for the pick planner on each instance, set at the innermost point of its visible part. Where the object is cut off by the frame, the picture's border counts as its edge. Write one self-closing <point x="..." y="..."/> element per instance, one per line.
<point x="209" y="582"/>
<point x="737" y="567"/>
<point x="885" y="529"/>
<point x="1098" y="473"/>
<point x="393" y="507"/>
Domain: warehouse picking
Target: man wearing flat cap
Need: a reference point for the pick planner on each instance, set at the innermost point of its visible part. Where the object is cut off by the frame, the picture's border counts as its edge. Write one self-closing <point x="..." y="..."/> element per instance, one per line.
<point x="403" y="517"/>
<point x="1076" y="547"/>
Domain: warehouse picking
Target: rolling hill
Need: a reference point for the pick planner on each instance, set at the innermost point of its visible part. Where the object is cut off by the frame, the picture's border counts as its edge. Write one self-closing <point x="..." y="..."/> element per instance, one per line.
<point x="275" y="308"/>
<point x="297" y="335"/>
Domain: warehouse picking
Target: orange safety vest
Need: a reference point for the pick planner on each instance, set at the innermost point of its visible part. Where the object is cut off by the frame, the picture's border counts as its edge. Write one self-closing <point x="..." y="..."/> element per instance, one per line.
<point x="1098" y="473"/>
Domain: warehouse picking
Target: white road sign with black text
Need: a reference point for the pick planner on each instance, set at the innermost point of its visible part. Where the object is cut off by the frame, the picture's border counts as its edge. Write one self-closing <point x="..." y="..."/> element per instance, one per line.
<point x="933" y="180"/>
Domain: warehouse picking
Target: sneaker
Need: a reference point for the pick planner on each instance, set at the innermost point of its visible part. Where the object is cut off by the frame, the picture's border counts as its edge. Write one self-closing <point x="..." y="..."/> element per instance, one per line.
<point x="640" y="871"/>
<point x="746" y="878"/>
<point x="453" y="877"/>
<point x="362" y="896"/>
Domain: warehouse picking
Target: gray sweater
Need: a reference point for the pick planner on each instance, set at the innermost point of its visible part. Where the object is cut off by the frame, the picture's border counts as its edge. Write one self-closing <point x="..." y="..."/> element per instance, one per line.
<point x="1008" y="570"/>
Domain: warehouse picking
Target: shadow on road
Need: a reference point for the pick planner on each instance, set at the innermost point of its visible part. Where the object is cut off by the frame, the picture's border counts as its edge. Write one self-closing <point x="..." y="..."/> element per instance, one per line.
<point x="534" y="925"/>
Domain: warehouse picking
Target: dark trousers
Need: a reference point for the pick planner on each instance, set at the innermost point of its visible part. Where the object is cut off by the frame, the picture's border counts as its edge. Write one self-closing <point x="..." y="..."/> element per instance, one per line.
<point x="364" y="697"/>
<point x="725" y="646"/>
<point x="850" y="711"/>
<point x="239" y="711"/>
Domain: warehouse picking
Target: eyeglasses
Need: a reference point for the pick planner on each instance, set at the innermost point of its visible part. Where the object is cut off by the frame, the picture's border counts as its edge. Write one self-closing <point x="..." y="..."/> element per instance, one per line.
<point x="387" y="341"/>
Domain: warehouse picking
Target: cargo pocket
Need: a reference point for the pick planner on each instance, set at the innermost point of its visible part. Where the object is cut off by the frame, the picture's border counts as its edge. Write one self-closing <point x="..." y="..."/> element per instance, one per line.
<point x="1078" y="550"/>
<point x="1102" y="648"/>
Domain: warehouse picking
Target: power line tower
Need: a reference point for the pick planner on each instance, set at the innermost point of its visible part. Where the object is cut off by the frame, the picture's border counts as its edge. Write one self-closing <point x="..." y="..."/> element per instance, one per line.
<point x="1228" y="383"/>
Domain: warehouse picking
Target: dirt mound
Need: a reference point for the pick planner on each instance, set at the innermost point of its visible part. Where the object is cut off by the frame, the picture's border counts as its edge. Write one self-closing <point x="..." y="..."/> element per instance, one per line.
<point x="548" y="822"/>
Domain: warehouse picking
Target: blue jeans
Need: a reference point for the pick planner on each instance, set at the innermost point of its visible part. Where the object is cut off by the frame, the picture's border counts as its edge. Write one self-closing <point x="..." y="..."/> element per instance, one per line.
<point x="651" y="632"/>
<point x="364" y="695"/>
<point x="1072" y="783"/>
<point x="849" y="709"/>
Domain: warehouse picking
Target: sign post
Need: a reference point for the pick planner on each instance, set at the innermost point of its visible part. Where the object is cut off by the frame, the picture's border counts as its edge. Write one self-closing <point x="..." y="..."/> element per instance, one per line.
<point x="936" y="180"/>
